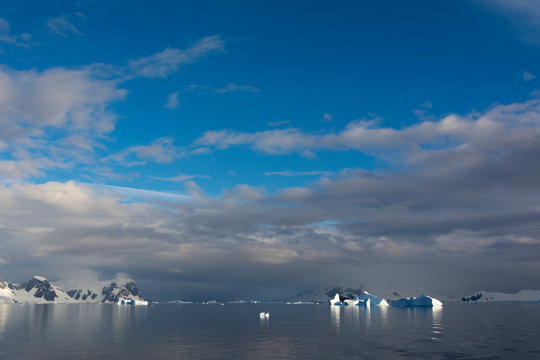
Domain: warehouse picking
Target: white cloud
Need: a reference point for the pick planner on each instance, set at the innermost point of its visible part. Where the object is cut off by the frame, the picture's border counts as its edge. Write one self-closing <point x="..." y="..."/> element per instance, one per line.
<point x="279" y="123"/>
<point x="172" y="101"/>
<point x="527" y="76"/>
<point x="57" y="97"/>
<point x="525" y="14"/>
<point x="290" y="173"/>
<point x="487" y="130"/>
<point x="161" y="150"/>
<point x="234" y="88"/>
<point x="327" y="117"/>
<point x="182" y="177"/>
<point x="4" y="25"/>
<point x="62" y="26"/>
<point x="58" y="114"/>
<point x="22" y="40"/>
<point x="161" y="64"/>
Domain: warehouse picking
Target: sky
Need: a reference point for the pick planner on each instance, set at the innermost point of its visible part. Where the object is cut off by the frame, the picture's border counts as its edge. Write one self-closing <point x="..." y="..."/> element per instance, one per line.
<point x="255" y="149"/>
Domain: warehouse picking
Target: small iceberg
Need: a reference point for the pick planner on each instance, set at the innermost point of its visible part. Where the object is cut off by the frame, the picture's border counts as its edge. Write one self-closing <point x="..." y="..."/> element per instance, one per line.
<point x="122" y="301"/>
<point x="264" y="315"/>
<point x="336" y="301"/>
<point x="421" y="301"/>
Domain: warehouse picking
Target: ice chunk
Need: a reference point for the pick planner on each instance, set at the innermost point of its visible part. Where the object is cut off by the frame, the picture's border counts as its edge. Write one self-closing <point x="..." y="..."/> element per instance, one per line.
<point x="363" y="302"/>
<point x="426" y="301"/>
<point x="122" y="301"/>
<point x="373" y="300"/>
<point x="336" y="301"/>
<point x="421" y="301"/>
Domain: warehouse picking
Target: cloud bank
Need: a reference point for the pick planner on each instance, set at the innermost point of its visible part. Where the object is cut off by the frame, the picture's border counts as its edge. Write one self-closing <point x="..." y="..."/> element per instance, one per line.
<point x="463" y="196"/>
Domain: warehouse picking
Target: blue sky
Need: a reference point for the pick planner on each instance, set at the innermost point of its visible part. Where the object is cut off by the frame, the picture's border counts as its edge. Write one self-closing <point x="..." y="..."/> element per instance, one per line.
<point x="357" y="114"/>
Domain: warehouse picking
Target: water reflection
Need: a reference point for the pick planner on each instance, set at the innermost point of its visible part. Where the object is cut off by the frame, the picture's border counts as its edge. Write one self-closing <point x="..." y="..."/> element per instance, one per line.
<point x="426" y="320"/>
<point x="382" y="313"/>
<point x="335" y="315"/>
<point x="264" y="321"/>
<point x="3" y="319"/>
<point x="352" y="315"/>
<point x="437" y="319"/>
<point x="367" y="317"/>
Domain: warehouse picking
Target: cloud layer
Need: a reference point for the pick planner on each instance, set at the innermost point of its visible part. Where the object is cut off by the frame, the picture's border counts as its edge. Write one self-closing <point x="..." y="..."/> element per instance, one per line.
<point x="463" y="195"/>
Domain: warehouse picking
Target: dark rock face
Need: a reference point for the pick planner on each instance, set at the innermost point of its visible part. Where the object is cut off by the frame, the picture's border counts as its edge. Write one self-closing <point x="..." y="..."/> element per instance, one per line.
<point x="472" y="298"/>
<point x="114" y="291"/>
<point x="13" y="286"/>
<point x="344" y="294"/>
<point x="81" y="294"/>
<point x="43" y="289"/>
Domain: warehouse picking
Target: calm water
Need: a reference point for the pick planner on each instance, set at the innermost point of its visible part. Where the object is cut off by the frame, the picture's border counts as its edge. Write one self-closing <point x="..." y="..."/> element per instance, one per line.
<point x="234" y="331"/>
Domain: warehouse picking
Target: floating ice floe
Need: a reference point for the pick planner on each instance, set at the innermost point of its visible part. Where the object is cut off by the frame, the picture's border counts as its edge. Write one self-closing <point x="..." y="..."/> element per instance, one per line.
<point x="264" y="315"/>
<point x="421" y="301"/>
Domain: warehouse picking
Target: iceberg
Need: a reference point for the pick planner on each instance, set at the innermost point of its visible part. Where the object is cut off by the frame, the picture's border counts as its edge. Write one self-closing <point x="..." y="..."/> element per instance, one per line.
<point x="337" y="302"/>
<point x="122" y="301"/>
<point x="357" y="302"/>
<point x="264" y="315"/>
<point x="421" y="301"/>
<point x="363" y="302"/>
<point x="373" y="300"/>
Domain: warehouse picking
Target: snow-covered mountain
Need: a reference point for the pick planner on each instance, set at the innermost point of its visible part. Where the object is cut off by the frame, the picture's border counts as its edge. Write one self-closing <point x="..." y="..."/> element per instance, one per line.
<point x="39" y="290"/>
<point x="486" y="296"/>
<point x="108" y="291"/>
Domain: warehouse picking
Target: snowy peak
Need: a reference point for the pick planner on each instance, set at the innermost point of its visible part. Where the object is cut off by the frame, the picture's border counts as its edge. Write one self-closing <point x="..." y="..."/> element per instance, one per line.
<point x="35" y="290"/>
<point x="6" y="293"/>
<point x="41" y="288"/>
<point x="121" y="289"/>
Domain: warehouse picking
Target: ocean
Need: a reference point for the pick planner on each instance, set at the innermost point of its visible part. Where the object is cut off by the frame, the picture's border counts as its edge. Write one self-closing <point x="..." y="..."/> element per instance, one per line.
<point x="235" y="331"/>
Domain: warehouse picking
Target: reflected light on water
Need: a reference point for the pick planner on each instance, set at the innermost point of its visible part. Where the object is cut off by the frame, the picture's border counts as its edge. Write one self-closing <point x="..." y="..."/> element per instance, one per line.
<point x="352" y="315"/>
<point x="437" y="317"/>
<point x="3" y="319"/>
<point x="383" y="315"/>
<point x="335" y="315"/>
<point x="367" y="317"/>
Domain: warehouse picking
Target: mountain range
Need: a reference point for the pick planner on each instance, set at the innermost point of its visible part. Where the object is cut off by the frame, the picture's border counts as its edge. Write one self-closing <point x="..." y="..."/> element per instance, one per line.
<point x="39" y="290"/>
